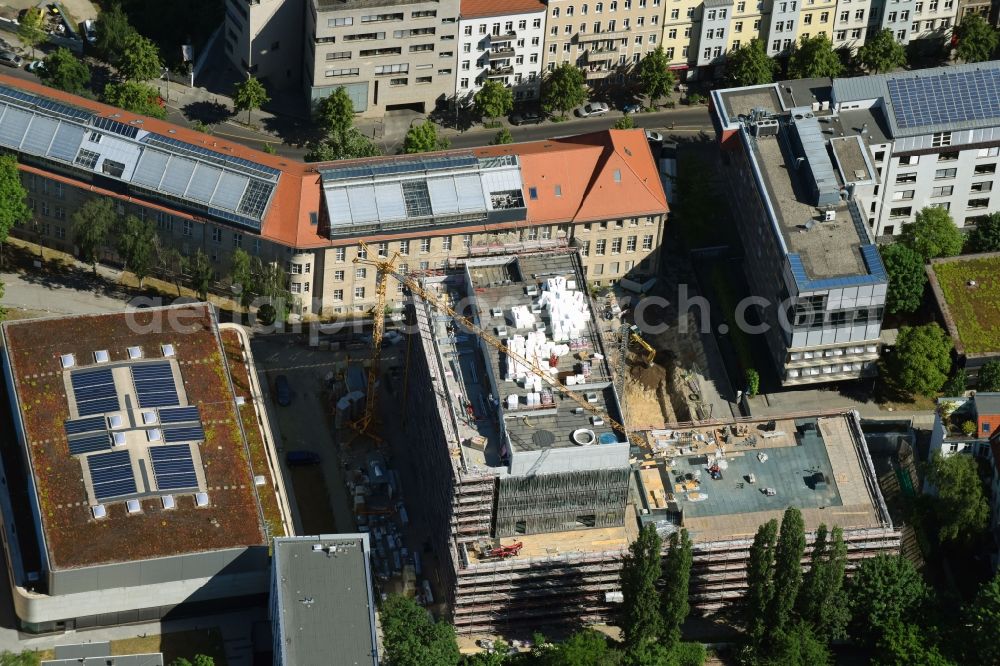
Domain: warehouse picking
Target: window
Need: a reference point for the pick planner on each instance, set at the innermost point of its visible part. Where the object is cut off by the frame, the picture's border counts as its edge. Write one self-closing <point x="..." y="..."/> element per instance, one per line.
<point x="340" y="254"/>
<point x="616" y="246"/>
<point x="426" y="13"/>
<point x="296" y="288"/>
<point x="903" y="195"/>
<point x="904" y="211"/>
<point x="824" y="17"/>
<point x="399" y="68"/>
<point x="330" y="73"/>
<point x="377" y="18"/>
<point x="237" y="240"/>
<point x="537" y="23"/>
<point x="338" y="276"/>
<point x="909" y="160"/>
<point x="943" y="191"/>
<point x="845" y="16"/>
<point x="945" y="173"/>
<point x="389" y="50"/>
<point x="630" y="243"/>
<point x="338" y="55"/>
<point x="979" y="203"/>
<point x="398" y="82"/>
<point x="337" y="22"/>
<point x="216" y="235"/>
<point x="941" y="139"/>
<point x="647" y="242"/>
<point x="982" y="186"/>
<point x="188" y="228"/>
<point x="468" y="31"/>
<point x="467" y="241"/>
<point x="859" y="15"/>
<point x="338" y="294"/>
<point x="857" y="33"/>
<point x="675" y="14"/>
<point x="983" y="169"/>
<point x="359" y="292"/>
<point x="807" y="19"/>
<point x="600" y="246"/>
<point x="360" y="273"/>
<point x="446" y="243"/>
<point x="425" y="244"/>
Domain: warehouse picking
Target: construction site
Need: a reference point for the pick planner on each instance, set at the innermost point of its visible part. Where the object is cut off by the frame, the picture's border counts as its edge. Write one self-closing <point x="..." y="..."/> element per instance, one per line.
<point x="502" y="485"/>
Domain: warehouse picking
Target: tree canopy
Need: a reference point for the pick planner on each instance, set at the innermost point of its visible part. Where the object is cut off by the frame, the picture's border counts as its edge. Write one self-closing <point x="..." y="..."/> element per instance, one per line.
<point x="787" y="576"/>
<point x="342" y="140"/>
<point x="976" y="39"/>
<point x="250" y="96"/>
<point x="503" y="136"/>
<point x="884" y="589"/>
<point x="412" y="638"/>
<point x="989" y="376"/>
<point x="933" y="234"/>
<point x="881" y="52"/>
<point x="982" y="617"/>
<point x="13" y="208"/>
<point x="676" y="579"/>
<point x="423" y="138"/>
<point x="25" y="658"/>
<point x="749" y="64"/>
<point x="65" y="71"/>
<point x="563" y="88"/>
<point x="907" y="644"/>
<point x="201" y="273"/>
<point x="906" y="278"/>
<point x="760" y="579"/>
<point x="655" y="76"/>
<point x="92" y="223"/>
<point x="136" y="97"/>
<point x="584" y="648"/>
<point x="241" y="276"/>
<point x="986" y="236"/>
<point x="822" y="601"/>
<point x="961" y="506"/>
<point x="137" y="244"/>
<point x="140" y="59"/>
<point x="814" y="57"/>
<point x="625" y="122"/>
<point x="112" y="30"/>
<point x="31" y="29"/>
<point x="494" y="99"/>
<point x="920" y="361"/>
<point x="641" y="621"/>
<point x="335" y="112"/>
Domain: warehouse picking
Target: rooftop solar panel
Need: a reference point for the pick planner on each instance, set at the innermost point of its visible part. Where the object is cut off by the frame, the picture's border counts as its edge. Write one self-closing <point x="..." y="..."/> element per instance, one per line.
<point x="170" y="452"/>
<point x="102" y="406"/>
<point x="89" y="443"/>
<point x="179" y="415"/>
<point x="27" y="99"/>
<point x="185" y="434"/>
<point x="111" y="474"/>
<point x="84" y="378"/>
<point x="173" y="467"/>
<point x="111" y="125"/>
<point x="77" y="426"/>
<point x="950" y="97"/>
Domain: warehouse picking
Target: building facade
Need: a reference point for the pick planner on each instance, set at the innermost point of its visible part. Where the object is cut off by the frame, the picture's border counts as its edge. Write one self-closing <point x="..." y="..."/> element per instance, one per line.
<point x="398" y="56"/>
<point x="501" y="41"/>
<point x="263" y="38"/>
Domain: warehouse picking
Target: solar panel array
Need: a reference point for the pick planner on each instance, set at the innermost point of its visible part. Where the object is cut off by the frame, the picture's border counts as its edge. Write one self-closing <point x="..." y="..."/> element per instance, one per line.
<point x="100" y="441"/>
<point x="77" y="426"/>
<point x="111" y="475"/>
<point x="945" y="98"/>
<point x="111" y="125"/>
<point x="185" y="434"/>
<point x="179" y="415"/>
<point x="154" y="384"/>
<point x="94" y="391"/>
<point x="48" y="105"/>
<point x="400" y="166"/>
<point x="173" y="467"/>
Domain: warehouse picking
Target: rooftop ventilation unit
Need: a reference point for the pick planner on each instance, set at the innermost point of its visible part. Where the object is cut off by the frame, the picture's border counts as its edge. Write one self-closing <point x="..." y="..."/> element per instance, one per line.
<point x="829" y="215"/>
<point x="201" y="499"/>
<point x="597" y="420"/>
<point x="168" y="502"/>
<point x="133" y="506"/>
<point x="496" y="312"/>
<point x="168" y="351"/>
<point x="134" y="352"/>
<point x="101" y="356"/>
<point x="99" y="511"/>
<point x="67" y="361"/>
<point x="317" y="547"/>
<point x="591" y="397"/>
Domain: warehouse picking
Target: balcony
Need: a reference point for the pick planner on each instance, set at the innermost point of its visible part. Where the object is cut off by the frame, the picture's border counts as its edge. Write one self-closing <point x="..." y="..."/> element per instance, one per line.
<point x="506" y="37"/>
<point x="603" y="35"/>
<point x="593" y="74"/>
<point x="497" y="72"/>
<point x="500" y="54"/>
<point x="602" y="55"/>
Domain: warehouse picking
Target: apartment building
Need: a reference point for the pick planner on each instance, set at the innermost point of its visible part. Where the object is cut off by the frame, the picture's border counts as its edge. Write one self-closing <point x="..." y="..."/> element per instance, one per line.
<point x="914" y="19"/>
<point x="966" y="7"/>
<point x="934" y="138"/>
<point x="501" y="41"/>
<point x="799" y="177"/>
<point x="600" y="193"/>
<point x="851" y="19"/>
<point x="605" y="39"/>
<point x="387" y="56"/>
<point x="264" y="38"/>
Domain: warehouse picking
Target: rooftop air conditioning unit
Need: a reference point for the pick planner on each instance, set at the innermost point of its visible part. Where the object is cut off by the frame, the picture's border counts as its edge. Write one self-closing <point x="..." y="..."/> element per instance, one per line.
<point x="829" y="216"/>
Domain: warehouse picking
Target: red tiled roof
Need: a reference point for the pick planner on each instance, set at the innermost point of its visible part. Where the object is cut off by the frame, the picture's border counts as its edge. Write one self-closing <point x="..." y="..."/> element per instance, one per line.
<point x="481" y="8"/>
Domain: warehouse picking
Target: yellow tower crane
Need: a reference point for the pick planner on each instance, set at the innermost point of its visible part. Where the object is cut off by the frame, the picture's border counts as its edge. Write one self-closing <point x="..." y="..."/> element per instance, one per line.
<point x="387" y="267"/>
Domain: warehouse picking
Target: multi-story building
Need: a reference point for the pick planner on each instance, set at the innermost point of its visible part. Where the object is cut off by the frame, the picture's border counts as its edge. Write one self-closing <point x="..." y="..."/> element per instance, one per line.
<point x="599" y="192"/>
<point x="681" y="31"/>
<point x="264" y="38"/>
<point x="605" y="38"/>
<point x="850" y="25"/>
<point x="913" y="19"/>
<point x="386" y="56"/>
<point x="966" y="7"/>
<point x="322" y="602"/>
<point x="124" y="499"/>
<point x="799" y="179"/>
<point x="934" y="136"/>
<point x="501" y="40"/>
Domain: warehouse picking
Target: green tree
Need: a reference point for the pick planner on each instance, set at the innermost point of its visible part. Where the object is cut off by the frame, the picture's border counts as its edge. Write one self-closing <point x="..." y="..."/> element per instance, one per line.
<point x="881" y="52"/>
<point x="584" y="648"/>
<point x="65" y="71"/>
<point x="136" y="97"/>
<point x="412" y="638"/>
<point x="241" y="275"/>
<point x="760" y="580"/>
<point x="563" y="88"/>
<point x="986" y="236"/>
<point x="961" y="507"/>
<point x="92" y="223"/>
<point x="676" y="576"/>
<point x="796" y="645"/>
<point x="956" y="384"/>
<point x="31" y="30"/>
<point x="977" y="39"/>
<point x="989" y="376"/>
<point x="203" y="660"/>
<point x="13" y="209"/>
<point x="906" y="644"/>
<point x="933" y="234"/>
<point x="3" y="310"/>
<point x="140" y="59"/>
<point x="921" y="359"/>
<point x="25" y="658"/>
<point x="250" y="96"/>
<point x="981" y="619"/>
<point x="822" y="599"/>
<point x="181" y="661"/>
<point x="502" y="137"/>
<point x="787" y="576"/>
<point x="625" y="122"/>
<point x="906" y="278"/>
<point x="641" y="622"/>
<point x="814" y="57"/>
<point x="269" y="282"/>
<point x="656" y="78"/>
<point x="201" y="273"/>
<point x="749" y="65"/>
<point x="884" y="589"/>
<point x="494" y="99"/>
<point x="112" y="31"/>
<point x="137" y="245"/>
<point x="753" y="382"/>
<point x="335" y="112"/>
<point x="423" y="138"/>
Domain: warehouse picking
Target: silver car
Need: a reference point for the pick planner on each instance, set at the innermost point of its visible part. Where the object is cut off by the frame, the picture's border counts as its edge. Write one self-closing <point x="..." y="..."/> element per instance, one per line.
<point x="10" y="59"/>
<point x="593" y="109"/>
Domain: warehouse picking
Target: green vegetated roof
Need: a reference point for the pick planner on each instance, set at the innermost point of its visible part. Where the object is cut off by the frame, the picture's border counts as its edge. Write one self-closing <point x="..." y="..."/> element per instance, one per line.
<point x="971" y="289"/>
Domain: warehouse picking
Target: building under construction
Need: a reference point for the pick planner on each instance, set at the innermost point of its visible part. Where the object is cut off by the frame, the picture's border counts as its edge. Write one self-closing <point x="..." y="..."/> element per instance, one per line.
<point x="531" y="499"/>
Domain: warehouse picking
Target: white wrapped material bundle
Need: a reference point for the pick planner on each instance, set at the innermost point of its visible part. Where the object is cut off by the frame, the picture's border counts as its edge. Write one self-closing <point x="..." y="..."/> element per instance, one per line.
<point x="522" y="316"/>
<point x="568" y="310"/>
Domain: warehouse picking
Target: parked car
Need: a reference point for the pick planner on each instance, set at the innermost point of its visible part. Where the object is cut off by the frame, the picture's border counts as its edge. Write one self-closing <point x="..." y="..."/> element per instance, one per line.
<point x="35" y="66"/>
<point x="10" y="59"/>
<point x="592" y="109"/>
<point x="301" y="458"/>
<point x="526" y="118"/>
<point x="282" y="390"/>
<point x="631" y="107"/>
<point x="89" y="31"/>
<point x="654" y="136"/>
